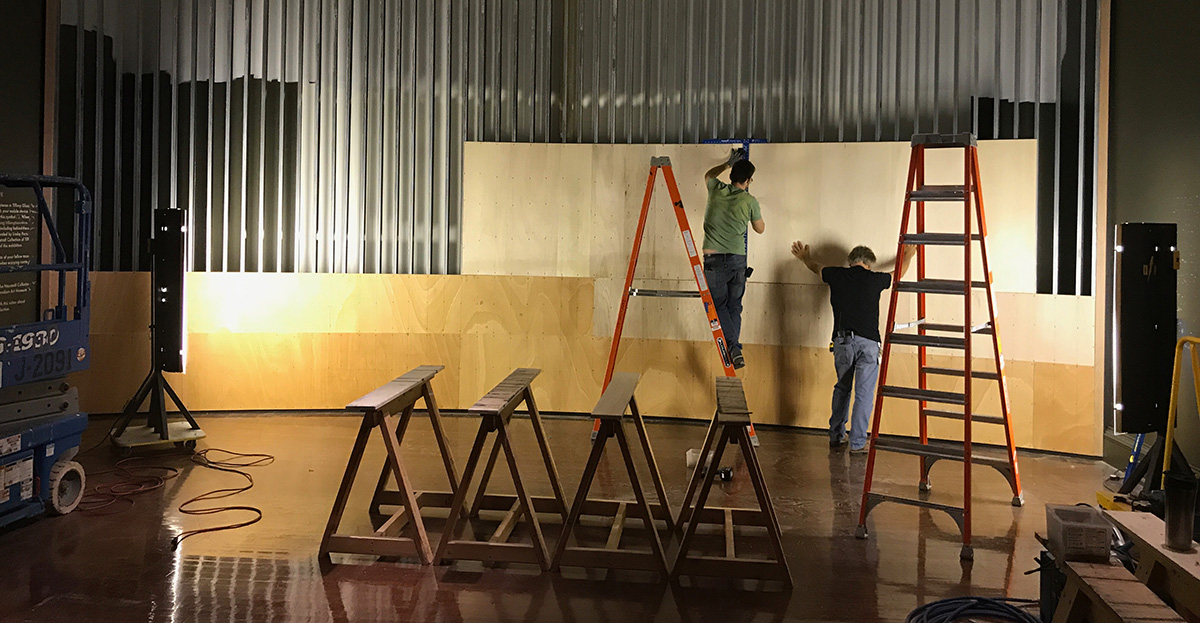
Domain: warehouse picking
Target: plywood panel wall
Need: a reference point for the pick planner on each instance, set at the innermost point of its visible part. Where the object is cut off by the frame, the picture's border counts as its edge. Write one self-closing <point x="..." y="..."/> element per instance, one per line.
<point x="833" y="196"/>
<point x="318" y="341"/>
<point x="548" y="229"/>
<point x="526" y="206"/>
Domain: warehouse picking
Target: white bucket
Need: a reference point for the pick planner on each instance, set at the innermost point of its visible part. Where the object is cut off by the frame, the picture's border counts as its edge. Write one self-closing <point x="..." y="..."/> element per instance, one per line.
<point x="693" y="457"/>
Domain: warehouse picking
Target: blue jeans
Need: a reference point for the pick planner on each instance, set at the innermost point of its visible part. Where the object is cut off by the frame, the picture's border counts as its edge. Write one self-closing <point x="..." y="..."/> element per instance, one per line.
<point x="856" y="360"/>
<point x="726" y="276"/>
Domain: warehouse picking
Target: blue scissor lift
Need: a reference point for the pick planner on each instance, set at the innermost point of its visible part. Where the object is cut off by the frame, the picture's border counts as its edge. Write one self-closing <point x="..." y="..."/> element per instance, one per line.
<point x="40" y="421"/>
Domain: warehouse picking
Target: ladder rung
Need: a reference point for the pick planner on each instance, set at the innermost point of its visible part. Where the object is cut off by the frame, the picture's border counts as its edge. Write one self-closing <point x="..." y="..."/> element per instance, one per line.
<point x="930" y="395"/>
<point x="954" y="415"/>
<point x="936" y="141"/>
<point x="975" y="374"/>
<point x="983" y="329"/>
<point x="953" y="510"/>
<point x="936" y="286"/>
<point x="944" y="239"/>
<point x="939" y="449"/>
<point x="900" y="326"/>
<point x="682" y="294"/>
<point x="938" y="193"/>
<point x="934" y="341"/>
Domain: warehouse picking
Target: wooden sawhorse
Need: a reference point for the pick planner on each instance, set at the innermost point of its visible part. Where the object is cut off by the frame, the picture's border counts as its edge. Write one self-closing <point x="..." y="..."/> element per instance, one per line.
<point x="733" y="420"/>
<point x="610" y="410"/>
<point x="1103" y="593"/>
<point x="495" y="410"/>
<point x="398" y="396"/>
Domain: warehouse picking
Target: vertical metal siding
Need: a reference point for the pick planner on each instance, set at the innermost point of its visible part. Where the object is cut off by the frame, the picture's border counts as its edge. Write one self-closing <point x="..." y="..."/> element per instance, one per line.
<point x="326" y="135"/>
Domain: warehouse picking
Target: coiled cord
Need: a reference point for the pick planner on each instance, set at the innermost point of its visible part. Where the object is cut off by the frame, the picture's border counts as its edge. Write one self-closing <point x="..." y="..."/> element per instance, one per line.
<point x="970" y="608"/>
<point x="232" y="465"/>
<point x="134" y="476"/>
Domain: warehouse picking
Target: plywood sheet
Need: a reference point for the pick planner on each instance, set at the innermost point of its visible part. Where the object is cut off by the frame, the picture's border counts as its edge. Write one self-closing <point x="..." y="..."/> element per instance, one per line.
<point x="120" y="302"/>
<point x="831" y="195"/>
<point x="578" y="214"/>
<point x="526" y="203"/>
<point x="328" y="303"/>
<point x="323" y="340"/>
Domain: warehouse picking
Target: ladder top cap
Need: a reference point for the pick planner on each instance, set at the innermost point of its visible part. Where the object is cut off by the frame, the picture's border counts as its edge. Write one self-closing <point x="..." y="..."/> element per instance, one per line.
<point x="962" y="139"/>
<point x="660" y="161"/>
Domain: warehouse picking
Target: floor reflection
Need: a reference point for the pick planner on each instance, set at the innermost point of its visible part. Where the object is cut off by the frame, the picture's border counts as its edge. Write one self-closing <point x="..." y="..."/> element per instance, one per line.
<point x="121" y="567"/>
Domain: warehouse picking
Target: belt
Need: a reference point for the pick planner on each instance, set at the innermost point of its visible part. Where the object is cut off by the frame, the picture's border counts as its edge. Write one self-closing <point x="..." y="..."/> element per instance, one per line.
<point x="843" y="334"/>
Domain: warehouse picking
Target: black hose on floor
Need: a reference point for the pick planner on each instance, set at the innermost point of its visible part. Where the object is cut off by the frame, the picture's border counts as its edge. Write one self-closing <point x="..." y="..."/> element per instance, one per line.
<point x="973" y="608"/>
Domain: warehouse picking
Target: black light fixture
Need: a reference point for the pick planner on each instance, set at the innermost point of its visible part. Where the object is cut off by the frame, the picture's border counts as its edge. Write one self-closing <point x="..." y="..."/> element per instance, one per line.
<point x="168" y="345"/>
<point x="1145" y="287"/>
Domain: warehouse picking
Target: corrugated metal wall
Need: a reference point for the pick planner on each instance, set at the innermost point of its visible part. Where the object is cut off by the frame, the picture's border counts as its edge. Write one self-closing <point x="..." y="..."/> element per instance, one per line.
<point x="326" y="135"/>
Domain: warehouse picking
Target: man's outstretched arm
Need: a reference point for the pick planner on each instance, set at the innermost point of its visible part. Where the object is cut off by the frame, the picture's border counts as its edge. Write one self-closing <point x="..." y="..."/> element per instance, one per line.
<point x="715" y="171"/>
<point x="734" y="156"/>
<point x="804" y="253"/>
<point x="905" y="260"/>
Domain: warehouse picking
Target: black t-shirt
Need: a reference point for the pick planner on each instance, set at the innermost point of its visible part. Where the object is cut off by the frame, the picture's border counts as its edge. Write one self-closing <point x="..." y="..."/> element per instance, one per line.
<point x="854" y="294"/>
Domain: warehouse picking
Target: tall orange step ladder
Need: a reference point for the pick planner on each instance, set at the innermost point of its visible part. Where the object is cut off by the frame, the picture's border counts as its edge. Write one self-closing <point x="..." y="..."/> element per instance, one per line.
<point x="953" y="337"/>
<point x="663" y="163"/>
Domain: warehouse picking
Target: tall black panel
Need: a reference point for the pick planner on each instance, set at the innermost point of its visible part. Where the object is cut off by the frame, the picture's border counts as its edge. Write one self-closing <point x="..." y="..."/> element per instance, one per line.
<point x="168" y="306"/>
<point x="1146" y="266"/>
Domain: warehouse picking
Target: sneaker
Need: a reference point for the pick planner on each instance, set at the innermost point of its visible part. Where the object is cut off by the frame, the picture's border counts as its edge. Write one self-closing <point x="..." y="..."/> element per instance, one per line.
<point x="739" y="362"/>
<point x="863" y="450"/>
<point x="837" y="443"/>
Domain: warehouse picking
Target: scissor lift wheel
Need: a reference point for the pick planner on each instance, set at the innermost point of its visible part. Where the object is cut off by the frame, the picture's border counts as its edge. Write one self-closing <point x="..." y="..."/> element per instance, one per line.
<point x="66" y="487"/>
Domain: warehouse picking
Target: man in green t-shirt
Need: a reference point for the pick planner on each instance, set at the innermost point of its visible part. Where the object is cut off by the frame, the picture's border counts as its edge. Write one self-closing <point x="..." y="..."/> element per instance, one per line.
<point x="730" y="207"/>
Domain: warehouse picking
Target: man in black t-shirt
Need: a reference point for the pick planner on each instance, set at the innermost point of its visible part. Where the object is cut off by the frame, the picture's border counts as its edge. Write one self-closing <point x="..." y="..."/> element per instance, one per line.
<point x="854" y="295"/>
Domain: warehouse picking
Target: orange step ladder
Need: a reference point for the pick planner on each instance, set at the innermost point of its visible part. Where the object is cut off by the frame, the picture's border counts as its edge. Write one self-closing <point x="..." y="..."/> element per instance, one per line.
<point x="663" y="163"/>
<point x="952" y="337"/>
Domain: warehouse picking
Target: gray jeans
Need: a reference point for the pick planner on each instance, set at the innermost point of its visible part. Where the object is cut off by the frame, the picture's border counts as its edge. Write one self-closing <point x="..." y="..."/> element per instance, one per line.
<point x="856" y="360"/>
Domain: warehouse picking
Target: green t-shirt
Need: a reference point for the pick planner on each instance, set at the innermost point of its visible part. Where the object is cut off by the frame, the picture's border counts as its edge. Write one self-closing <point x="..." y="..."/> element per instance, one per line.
<point x="729" y="209"/>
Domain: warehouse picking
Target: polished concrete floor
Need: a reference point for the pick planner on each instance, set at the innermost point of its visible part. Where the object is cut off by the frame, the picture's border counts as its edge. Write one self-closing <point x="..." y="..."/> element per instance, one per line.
<point x="118" y="564"/>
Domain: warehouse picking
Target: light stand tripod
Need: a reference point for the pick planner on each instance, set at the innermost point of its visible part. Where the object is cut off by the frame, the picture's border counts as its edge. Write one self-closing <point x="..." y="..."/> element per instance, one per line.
<point x="167" y="327"/>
